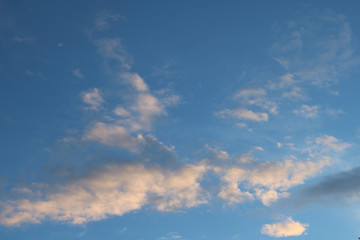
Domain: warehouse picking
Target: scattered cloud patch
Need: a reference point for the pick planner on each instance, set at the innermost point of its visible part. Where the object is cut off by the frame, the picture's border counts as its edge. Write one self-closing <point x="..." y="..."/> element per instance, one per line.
<point x="316" y="49"/>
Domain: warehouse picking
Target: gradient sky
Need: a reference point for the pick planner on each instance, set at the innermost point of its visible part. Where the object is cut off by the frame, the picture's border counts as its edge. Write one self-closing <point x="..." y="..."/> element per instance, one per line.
<point x="161" y="120"/>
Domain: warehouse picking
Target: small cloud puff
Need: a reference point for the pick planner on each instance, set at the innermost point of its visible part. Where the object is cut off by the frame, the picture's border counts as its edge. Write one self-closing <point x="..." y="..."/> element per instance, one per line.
<point x="93" y="98"/>
<point x="286" y="228"/>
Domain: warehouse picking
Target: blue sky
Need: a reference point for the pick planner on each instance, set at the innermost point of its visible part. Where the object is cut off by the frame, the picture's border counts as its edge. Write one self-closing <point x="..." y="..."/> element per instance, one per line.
<point x="162" y="120"/>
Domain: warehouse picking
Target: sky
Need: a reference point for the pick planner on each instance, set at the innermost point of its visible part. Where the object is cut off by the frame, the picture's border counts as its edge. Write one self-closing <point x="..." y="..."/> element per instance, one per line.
<point x="186" y="120"/>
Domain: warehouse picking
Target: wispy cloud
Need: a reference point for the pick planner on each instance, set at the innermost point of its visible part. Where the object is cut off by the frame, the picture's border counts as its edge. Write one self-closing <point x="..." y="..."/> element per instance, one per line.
<point x="316" y="49"/>
<point x="171" y="236"/>
<point x="243" y="114"/>
<point x="113" y="51"/>
<point x="286" y="228"/>
<point x="104" y="19"/>
<point x="77" y="73"/>
<point x="307" y="111"/>
<point x="27" y="40"/>
<point x="332" y="143"/>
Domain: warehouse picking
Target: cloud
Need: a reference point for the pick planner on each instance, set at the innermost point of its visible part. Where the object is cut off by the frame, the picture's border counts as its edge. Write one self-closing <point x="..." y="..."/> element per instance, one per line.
<point x="77" y="73"/>
<point x="340" y="186"/>
<point x="256" y="97"/>
<point x="267" y="181"/>
<point x="286" y="228"/>
<point x="315" y="49"/>
<point x="308" y="111"/>
<point x="171" y="236"/>
<point x="334" y="112"/>
<point x="114" y="135"/>
<point x="104" y="18"/>
<point x="332" y="143"/>
<point x="295" y="93"/>
<point x="120" y="111"/>
<point x="243" y="114"/>
<point x="113" y="190"/>
<point x="114" y="53"/>
<point x="135" y="81"/>
<point x="93" y="98"/>
<point x="217" y="154"/>
<point x="147" y="107"/>
<point x="38" y="75"/>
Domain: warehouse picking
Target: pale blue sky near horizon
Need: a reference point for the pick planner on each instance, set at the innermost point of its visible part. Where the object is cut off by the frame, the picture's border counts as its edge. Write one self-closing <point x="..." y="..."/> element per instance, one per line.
<point x="162" y="120"/>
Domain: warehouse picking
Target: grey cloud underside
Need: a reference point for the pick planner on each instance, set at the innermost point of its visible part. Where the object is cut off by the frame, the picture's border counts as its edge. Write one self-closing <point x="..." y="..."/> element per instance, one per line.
<point x="341" y="186"/>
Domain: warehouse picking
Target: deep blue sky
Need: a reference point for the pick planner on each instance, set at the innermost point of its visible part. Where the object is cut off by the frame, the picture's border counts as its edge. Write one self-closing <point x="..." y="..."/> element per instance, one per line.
<point x="179" y="119"/>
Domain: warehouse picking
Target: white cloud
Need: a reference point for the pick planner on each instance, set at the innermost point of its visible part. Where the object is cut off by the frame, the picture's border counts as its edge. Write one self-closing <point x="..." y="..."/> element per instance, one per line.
<point x="93" y="98"/>
<point x="269" y="180"/>
<point x="114" y="190"/>
<point x="256" y="97"/>
<point x="120" y="111"/>
<point x="136" y="81"/>
<point x="308" y="111"/>
<point x="147" y="106"/>
<point x="114" y="135"/>
<point x="77" y="73"/>
<point x="244" y="114"/>
<point x="286" y="228"/>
